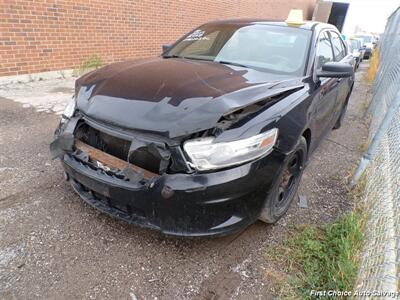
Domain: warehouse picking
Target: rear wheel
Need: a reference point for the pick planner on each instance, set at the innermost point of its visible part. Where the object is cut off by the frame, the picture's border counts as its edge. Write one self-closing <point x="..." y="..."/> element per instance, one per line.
<point x="286" y="184"/>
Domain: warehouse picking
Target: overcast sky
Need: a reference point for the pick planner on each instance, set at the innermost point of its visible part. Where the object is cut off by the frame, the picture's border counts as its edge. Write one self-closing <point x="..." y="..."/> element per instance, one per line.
<point x="370" y="15"/>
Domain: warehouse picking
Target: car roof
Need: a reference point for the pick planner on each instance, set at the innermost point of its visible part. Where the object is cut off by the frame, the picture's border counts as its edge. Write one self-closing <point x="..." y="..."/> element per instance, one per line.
<point x="307" y="25"/>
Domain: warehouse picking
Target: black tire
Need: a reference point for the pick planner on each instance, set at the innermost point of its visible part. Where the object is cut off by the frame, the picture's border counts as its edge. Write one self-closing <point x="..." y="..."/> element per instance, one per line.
<point x="286" y="184"/>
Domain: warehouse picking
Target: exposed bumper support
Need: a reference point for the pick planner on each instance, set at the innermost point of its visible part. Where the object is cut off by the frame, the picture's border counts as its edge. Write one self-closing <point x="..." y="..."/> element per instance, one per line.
<point x="110" y="161"/>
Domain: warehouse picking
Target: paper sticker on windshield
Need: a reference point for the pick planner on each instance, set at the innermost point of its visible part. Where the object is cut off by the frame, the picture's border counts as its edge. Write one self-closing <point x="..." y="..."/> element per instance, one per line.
<point x="197" y="35"/>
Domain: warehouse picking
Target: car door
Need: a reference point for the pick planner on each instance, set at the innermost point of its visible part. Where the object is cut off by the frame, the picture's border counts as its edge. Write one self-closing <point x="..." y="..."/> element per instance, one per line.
<point x="344" y="84"/>
<point x="325" y="92"/>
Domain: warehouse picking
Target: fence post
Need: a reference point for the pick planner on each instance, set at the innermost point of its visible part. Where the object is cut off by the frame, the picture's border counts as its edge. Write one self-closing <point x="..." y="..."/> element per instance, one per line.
<point x="369" y="155"/>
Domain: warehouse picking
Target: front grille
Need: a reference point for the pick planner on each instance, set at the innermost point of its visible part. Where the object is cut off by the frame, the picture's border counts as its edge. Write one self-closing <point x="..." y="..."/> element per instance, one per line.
<point x="117" y="147"/>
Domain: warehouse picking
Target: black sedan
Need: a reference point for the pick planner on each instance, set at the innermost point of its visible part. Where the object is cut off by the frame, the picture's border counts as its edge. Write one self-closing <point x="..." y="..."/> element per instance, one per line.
<point x="212" y="135"/>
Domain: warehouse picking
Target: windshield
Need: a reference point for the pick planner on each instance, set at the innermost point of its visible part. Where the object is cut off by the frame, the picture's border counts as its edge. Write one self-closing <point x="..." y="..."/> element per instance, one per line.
<point x="275" y="49"/>
<point x="366" y="38"/>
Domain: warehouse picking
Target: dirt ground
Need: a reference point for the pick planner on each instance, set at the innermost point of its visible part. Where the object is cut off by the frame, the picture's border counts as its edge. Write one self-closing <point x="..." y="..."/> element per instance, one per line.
<point x="53" y="245"/>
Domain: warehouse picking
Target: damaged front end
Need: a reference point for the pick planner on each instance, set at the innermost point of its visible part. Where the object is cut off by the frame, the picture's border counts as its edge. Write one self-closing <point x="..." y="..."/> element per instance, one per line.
<point x="154" y="181"/>
<point x="115" y="170"/>
<point x="126" y="155"/>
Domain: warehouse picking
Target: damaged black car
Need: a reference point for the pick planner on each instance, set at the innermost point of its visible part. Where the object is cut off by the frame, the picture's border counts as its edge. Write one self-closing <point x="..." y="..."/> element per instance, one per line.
<point x="211" y="136"/>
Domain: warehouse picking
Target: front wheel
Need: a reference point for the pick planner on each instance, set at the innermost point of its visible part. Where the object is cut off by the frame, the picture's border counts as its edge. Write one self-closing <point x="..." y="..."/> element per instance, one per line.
<point x="286" y="184"/>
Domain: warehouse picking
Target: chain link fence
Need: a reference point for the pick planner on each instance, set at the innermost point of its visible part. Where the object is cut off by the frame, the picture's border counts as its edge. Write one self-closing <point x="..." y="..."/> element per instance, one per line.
<point x="379" y="275"/>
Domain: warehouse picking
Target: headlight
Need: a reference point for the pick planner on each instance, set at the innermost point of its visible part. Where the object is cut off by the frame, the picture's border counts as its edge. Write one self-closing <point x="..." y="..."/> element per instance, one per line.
<point x="69" y="109"/>
<point x="205" y="154"/>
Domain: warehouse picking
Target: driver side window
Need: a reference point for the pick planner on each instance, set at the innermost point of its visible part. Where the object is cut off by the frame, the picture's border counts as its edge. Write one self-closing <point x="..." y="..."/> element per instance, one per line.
<point x="324" y="50"/>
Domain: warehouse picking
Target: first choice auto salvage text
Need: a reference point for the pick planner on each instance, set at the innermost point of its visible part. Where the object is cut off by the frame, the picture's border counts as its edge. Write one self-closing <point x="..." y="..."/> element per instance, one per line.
<point x="357" y="293"/>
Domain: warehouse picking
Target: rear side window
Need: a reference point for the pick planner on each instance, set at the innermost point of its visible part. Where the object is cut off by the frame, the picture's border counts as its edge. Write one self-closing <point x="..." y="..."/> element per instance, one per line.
<point x="324" y="50"/>
<point x="338" y="47"/>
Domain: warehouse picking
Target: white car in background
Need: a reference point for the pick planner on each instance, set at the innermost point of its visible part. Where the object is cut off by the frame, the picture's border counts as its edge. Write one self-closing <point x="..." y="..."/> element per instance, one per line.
<point x="357" y="50"/>
<point x="369" y="43"/>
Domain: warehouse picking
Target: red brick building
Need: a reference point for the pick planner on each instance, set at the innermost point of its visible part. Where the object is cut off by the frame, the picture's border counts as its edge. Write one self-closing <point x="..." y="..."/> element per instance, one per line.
<point x="46" y="35"/>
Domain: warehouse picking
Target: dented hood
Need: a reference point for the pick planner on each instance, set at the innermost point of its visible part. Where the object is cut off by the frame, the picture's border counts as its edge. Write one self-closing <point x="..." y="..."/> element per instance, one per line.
<point x="173" y="97"/>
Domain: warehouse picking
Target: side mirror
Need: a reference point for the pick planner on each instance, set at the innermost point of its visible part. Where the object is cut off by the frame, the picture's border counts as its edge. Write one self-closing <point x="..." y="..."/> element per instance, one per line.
<point x="166" y="47"/>
<point x="336" y="70"/>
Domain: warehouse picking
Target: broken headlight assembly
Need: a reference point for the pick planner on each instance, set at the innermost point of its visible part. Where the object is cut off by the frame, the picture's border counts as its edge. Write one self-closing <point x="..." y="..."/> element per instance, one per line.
<point x="206" y="154"/>
<point x="69" y="109"/>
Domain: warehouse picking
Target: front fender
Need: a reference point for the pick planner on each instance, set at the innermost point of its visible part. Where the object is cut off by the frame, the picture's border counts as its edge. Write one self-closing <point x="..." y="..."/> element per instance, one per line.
<point x="290" y="115"/>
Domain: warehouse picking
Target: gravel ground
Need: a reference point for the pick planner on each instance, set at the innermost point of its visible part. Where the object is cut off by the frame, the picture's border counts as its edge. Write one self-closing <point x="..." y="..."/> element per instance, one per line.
<point x="52" y="245"/>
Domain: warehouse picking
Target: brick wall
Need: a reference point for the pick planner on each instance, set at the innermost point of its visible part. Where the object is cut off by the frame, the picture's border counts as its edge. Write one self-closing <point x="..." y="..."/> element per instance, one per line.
<point x="46" y="35"/>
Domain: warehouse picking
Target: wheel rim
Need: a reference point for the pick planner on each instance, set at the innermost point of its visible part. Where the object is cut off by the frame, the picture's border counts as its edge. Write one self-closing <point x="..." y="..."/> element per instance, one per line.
<point x="289" y="182"/>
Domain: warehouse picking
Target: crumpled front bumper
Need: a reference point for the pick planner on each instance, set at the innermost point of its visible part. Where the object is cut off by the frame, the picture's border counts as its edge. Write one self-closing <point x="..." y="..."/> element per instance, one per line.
<point x="208" y="204"/>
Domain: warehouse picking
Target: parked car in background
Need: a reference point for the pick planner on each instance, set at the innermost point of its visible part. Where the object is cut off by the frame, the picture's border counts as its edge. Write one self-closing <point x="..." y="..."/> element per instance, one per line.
<point x="362" y="49"/>
<point x="376" y="40"/>
<point x="350" y="50"/>
<point x="357" y="50"/>
<point x="368" y="44"/>
<point x="212" y="135"/>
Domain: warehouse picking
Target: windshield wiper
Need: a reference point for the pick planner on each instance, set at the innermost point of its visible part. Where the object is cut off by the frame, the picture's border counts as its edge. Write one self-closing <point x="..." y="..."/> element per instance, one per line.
<point x="185" y="57"/>
<point x="196" y="58"/>
<point x="224" y="62"/>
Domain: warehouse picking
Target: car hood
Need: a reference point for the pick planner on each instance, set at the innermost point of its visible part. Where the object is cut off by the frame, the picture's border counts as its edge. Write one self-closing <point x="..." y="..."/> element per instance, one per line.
<point x="173" y="97"/>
